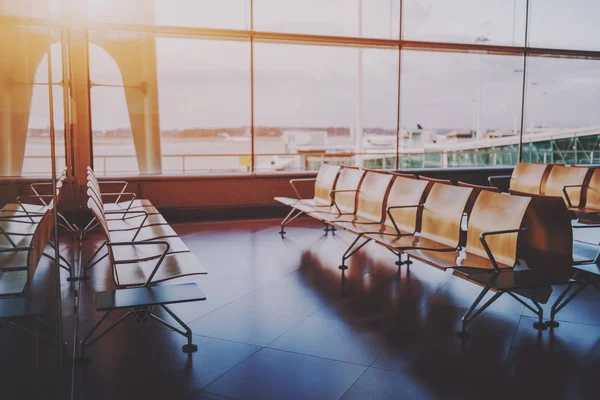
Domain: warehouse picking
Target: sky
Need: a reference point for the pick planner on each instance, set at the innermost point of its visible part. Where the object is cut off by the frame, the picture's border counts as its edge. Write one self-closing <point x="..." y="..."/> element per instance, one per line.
<point x="204" y="83"/>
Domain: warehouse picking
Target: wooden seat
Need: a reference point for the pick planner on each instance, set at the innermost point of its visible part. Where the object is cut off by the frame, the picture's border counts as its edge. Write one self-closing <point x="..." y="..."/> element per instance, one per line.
<point x="491" y="212"/>
<point x="166" y="268"/>
<point x="435" y="180"/>
<point x="496" y="258"/>
<point x="571" y="180"/>
<point x="324" y="183"/>
<point x="133" y="221"/>
<point x="18" y="224"/>
<point x="589" y="209"/>
<point x="136" y="253"/>
<point x="370" y="209"/>
<point x="131" y="204"/>
<point x="174" y="265"/>
<point x="440" y="221"/>
<point x="35" y="203"/>
<point x="140" y="234"/>
<point x="19" y="264"/>
<point x="136" y="266"/>
<point x="344" y="195"/>
<point x="529" y="178"/>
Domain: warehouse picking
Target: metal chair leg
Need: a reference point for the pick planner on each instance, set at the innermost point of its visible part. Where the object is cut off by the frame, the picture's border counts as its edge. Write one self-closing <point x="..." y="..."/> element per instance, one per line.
<point x="349" y="252"/>
<point x="467" y="318"/>
<point x="289" y="218"/>
<point x="559" y="304"/>
<point x="84" y="344"/>
<point x="186" y="348"/>
<point x="406" y="262"/>
<point x="540" y="325"/>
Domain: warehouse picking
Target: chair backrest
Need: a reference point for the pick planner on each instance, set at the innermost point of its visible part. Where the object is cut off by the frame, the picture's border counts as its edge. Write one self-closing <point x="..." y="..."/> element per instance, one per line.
<point x="406" y="192"/>
<point x="95" y="193"/>
<point x="475" y="193"/>
<point x="496" y="212"/>
<point x="443" y="213"/>
<point x="326" y="179"/>
<point x="39" y="241"/>
<point x="560" y="176"/>
<point x="98" y="213"/>
<point x="350" y="179"/>
<point x="372" y="195"/>
<point x="592" y="194"/>
<point x="405" y="175"/>
<point x="435" y="180"/>
<point x="529" y="178"/>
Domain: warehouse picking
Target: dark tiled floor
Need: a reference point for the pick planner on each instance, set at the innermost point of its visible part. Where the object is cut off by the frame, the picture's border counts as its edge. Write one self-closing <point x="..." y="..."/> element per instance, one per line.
<point x="279" y="322"/>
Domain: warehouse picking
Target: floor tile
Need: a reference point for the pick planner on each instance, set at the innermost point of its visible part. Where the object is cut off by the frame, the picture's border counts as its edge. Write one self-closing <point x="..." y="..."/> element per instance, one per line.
<point x="336" y="340"/>
<point x="273" y="374"/>
<point x="381" y="384"/>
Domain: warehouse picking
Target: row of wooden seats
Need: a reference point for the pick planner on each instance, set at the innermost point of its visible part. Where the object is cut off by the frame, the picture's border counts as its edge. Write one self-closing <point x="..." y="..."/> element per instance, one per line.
<point x="501" y="251"/>
<point x="142" y="250"/>
<point x="19" y="265"/>
<point x="19" y="221"/>
<point x="579" y="186"/>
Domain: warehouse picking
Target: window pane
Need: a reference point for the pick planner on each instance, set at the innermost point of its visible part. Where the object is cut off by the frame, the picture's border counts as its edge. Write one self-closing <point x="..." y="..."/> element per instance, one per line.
<point x="562" y="120"/>
<point x="498" y="22"/>
<point x="332" y="17"/>
<point x="204" y="99"/>
<point x="24" y="107"/>
<point x="225" y="14"/>
<point x="170" y="105"/>
<point x="459" y="109"/>
<point x="307" y="102"/>
<point x="567" y="25"/>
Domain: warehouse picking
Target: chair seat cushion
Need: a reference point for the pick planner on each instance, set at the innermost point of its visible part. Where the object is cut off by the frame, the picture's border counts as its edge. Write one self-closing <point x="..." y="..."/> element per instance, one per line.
<point x="133" y="221"/>
<point x="32" y="208"/>
<point x="511" y="279"/>
<point x="12" y="282"/>
<point x="146" y="233"/>
<point x="138" y="204"/>
<point x="18" y="227"/>
<point x="144" y="252"/>
<point x="366" y="226"/>
<point x="19" y="241"/>
<point x="13" y="260"/>
<point x="173" y="266"/>
<point x="292" y="202"/>
<point x="406" y="242"/>
<point x="451" y="259"/>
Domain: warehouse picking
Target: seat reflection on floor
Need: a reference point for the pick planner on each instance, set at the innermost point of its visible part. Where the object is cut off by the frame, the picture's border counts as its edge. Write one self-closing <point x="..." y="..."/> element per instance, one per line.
<point x="281" y="321"/>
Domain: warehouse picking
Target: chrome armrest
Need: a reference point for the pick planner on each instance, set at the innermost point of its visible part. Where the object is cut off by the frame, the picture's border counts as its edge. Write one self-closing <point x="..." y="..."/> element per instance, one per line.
<point x="487" y="247"/>
<point x="293" y="184"/>
<point x="143" y="212"/>
<point x="145" y="243"/>
<point x="564" y="190"/>
<point x="492" y="178"/>
<point x="388" y="212"/>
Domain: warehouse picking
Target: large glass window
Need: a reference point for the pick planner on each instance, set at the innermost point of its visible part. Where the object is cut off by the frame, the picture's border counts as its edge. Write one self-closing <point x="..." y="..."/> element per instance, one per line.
<point x="222" y="14"/>
<point x="323" y="103"/>
<point x="358" y="18"/>
<point x="169" y="100"/>
<point x="562" y="113"/>
<point x="204" y="103"/>
<point x="499" y="22"/>
<point x="459" y="109"/>
<point x="181" y="103"/>
<point x="564" y="25"/>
